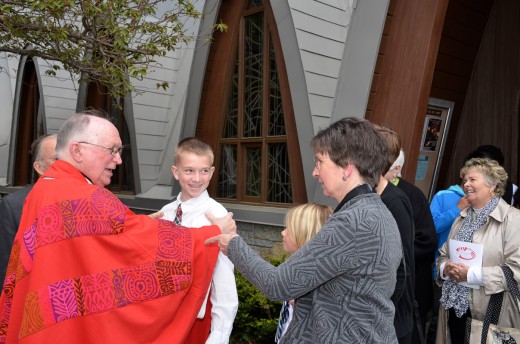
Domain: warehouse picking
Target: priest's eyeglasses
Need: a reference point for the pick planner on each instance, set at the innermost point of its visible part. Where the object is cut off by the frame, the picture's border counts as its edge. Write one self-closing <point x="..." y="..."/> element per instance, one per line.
<point x="114" y="150"/>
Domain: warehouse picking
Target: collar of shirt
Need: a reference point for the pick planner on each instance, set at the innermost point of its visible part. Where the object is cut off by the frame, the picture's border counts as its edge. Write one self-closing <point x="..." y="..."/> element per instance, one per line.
<point x="358" y="190"/>
<point x="192" y="203"/>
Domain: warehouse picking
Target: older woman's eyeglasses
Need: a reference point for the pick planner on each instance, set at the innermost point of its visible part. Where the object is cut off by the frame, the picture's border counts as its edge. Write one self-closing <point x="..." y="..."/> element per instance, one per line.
<point x="318" y="162"/>
<point x="114" y="150"/>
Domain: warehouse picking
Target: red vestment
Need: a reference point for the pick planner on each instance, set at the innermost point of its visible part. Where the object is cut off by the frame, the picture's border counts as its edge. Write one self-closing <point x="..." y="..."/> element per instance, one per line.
<point x="86" y="269"/>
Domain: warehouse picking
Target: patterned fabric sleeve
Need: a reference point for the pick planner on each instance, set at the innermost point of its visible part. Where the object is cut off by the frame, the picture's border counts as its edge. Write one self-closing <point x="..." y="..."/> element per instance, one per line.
<point x="327" y="255"/>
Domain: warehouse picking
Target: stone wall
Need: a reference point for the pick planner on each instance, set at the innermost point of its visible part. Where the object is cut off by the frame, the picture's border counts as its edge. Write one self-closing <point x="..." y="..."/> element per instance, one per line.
<point x="264" y="239"/>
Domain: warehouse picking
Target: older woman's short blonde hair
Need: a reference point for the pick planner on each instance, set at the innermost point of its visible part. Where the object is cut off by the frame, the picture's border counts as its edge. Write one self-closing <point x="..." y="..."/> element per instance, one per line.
<point x="494" y="174"/>
<point x="304" y="221"/>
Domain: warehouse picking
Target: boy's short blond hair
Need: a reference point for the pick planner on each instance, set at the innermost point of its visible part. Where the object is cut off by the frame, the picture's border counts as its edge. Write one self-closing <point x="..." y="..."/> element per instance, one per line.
<point x="193" y="145"/>
<point x="304" y="221"/>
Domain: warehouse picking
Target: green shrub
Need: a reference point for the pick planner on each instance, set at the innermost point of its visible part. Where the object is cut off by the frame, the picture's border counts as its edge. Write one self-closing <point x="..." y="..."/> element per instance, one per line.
<point x="257" y="317"/>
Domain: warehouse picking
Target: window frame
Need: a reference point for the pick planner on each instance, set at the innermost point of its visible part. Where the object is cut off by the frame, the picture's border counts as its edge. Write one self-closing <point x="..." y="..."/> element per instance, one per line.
<point x="98" y="98"/>
<point x="28" y="122"/>
<point x="214" y="101"/>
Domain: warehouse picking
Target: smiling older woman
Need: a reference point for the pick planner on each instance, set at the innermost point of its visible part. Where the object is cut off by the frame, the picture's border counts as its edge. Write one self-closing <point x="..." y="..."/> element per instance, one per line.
<point x="491" y="222"/>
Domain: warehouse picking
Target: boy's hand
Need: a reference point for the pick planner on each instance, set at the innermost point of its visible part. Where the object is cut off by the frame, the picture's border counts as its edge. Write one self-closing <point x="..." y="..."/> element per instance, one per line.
<point x="157" y="215"/>
<point x="227" y="224"/>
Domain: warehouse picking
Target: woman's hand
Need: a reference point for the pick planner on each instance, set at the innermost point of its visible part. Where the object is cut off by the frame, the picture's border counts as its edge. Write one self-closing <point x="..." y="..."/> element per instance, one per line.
<point x="458" y="272"/>
<point x="226" y="223"/>
<point x="222" y="240"/>
<point x="463" y="203"/>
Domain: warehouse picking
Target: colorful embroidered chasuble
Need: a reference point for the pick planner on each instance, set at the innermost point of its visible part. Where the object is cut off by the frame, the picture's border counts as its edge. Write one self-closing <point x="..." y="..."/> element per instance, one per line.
<point x="84" y="268"/>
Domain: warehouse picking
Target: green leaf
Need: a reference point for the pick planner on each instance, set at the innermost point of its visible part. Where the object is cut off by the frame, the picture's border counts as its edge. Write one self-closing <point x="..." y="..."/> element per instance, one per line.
<point x="106" y="40"/>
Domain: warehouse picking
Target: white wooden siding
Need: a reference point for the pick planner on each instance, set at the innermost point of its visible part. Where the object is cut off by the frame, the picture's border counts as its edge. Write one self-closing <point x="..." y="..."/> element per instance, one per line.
<point x="320" y="105"/>
<point x="321" y="29"/>
<point x="331" y="66"/>
<point x="60" y="96"/>
<point x="152" y="113"/>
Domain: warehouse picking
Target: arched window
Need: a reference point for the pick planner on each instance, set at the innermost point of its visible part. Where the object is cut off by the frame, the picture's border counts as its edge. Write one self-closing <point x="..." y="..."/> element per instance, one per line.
<point x="246" y="111"/>
<point x="99" y="99"/>
<point x="29" y="125"/>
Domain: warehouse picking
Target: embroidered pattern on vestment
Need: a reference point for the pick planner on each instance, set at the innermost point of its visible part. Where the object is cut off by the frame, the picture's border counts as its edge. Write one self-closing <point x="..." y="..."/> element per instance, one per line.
<point x="101" y="214"/>
<point x="90" y="294"/>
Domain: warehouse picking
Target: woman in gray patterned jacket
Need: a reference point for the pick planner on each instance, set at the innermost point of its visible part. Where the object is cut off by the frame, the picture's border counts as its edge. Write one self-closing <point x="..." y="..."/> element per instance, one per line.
<point x="343" y="278"/>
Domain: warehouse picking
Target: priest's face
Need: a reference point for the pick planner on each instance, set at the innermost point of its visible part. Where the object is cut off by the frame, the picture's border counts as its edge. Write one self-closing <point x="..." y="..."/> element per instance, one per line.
<point x="101" y="152"/>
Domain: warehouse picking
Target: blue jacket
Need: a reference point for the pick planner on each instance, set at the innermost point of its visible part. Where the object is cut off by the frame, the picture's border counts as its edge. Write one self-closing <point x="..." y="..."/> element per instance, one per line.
<point x="444" y="211"/>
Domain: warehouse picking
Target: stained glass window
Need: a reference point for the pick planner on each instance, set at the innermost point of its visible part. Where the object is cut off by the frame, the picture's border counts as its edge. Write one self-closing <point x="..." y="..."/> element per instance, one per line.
<point x="253" y="60"/>
<point x="254" y="3"/>
<point x="231" y="125"/>
<point x="254" y="134"/>
<point x="279" y="174"/>
<point x="227" y="186"/>
<point x="30" y="124"/>
<point x="276" y="121"/>
<point x="256" y="160"/>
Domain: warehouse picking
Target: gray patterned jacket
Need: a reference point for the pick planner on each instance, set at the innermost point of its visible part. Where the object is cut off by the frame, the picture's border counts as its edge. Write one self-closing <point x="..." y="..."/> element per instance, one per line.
<point x="342" y="279"/>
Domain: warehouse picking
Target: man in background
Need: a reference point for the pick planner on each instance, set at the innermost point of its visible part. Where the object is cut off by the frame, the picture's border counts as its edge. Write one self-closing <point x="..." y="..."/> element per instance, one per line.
<point x="425" y="245"/>
<point x="42" y="152"/>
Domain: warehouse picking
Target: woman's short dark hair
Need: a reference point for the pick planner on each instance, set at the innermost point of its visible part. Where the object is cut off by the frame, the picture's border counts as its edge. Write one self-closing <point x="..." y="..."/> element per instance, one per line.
<point x="355" y="141"/>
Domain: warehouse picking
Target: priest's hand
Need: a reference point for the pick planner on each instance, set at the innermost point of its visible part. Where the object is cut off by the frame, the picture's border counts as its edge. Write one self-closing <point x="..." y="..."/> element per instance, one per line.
<point x="222" y="240"/>
<point x="227" y="224"/>
<point x="157" y="215"/>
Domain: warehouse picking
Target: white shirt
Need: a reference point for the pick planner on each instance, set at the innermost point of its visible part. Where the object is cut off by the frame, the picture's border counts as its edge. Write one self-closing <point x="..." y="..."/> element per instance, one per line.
<point x="288" y="321"/>
<point x="224" y="297"/>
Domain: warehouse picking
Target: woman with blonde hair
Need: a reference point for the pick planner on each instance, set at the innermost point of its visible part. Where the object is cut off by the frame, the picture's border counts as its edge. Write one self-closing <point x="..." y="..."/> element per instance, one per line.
<point x="492" y="223"/>
<point x="301" y="224"/>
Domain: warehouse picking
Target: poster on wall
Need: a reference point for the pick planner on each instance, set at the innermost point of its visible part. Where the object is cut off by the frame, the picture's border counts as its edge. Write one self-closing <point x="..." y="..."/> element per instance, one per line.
<point x="433" y="140"/>
<point x="431" y="133"/>
<point x="422" y="167"/>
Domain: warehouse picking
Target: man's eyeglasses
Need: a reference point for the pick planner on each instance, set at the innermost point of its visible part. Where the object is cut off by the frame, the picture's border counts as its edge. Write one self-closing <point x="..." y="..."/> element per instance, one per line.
<point x="114" y="150"/>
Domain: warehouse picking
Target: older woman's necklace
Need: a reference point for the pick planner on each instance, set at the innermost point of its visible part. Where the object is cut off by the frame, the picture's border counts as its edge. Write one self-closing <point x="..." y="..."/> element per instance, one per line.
<point x="475" y="213"/>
